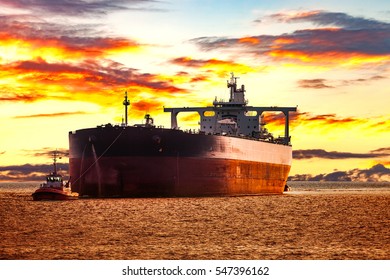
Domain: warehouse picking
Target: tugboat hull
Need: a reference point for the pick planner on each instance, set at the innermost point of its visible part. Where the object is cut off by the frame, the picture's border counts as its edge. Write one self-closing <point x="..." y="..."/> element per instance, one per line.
<point x="53" y="194"/>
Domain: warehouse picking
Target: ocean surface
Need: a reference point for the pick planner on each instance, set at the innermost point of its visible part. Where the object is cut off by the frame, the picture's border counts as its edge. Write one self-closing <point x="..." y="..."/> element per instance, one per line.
<point x="329" y="220"/>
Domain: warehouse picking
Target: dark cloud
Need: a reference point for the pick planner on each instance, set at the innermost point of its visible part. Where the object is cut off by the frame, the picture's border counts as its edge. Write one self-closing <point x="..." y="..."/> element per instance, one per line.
<point x="324" y="83"/>
<point x="321" y="45"/>
<point x="20" y="97"/>
<point x="32" y="27"/>
<point x="324" y="18"/>
<point x="329" y="43"/>
<point x="377" y="173"/>
<point x="80" y="7"/>
<point x="314" y="83"/>
<point x="30" y="172"/>
<point x="42" y="66"/>
<point x="329" y="119"/>
<point x="212" y="43"/>
<point x="103" y="71"/>
<point x="69" y="40"/>
<point x="382" y="150"/>
<point x="363" y="80"/>
<point x="33" y="172"/>
<point x="319" y="153"/>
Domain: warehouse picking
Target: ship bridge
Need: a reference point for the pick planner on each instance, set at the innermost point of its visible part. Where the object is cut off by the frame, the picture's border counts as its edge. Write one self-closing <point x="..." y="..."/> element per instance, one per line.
<point x="234" y="117"/>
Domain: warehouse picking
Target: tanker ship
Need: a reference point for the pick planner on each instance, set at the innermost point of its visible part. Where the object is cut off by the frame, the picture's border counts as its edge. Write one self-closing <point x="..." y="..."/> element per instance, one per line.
<point x="231" y="153"/>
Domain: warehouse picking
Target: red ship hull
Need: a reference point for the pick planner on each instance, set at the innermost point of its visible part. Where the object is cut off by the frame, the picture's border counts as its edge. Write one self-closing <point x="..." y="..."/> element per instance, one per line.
<point x="150" y="162"/>
<point x="156" y="176"/>
<point x="53" y="194"/>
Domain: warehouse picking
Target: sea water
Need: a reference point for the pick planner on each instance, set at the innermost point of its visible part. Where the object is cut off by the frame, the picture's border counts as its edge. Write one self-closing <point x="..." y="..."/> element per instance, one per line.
<point x="332" y="220"/>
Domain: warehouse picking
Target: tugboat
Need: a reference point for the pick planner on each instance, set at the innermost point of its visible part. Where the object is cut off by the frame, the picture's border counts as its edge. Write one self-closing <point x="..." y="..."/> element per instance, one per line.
<point x="54" y="187"/>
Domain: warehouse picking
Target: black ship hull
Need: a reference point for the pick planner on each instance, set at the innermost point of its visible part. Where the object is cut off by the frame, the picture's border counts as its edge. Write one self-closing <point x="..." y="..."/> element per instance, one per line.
<point x="124" y="161"/>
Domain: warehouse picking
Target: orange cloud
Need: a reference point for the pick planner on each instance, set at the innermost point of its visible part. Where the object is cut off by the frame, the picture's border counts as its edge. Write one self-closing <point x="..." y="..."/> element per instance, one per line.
<point x="277" y="119"/>
<point x="284" y="41"/>
<point x="326" y="123"/>
<point x="54" y="61"/>
<point x="65" y="48"/>
<point x="381" y="126"/>
<point x="221" y="67"/>
<point x="76" y="81"/>
<point x="329" y="58"/>
<point x="249" y="40"/>
<point x="146" y="106"/>
<point x="184" y="78"/>
<point x="189" y="117"/>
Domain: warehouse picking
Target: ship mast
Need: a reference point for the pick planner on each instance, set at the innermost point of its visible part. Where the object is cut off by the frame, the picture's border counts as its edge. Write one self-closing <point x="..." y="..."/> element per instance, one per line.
<point x="233" y="86"/>
<point x="126" y="103"/>
<point x="55" y="154"/>
<point x="55" y="162"/>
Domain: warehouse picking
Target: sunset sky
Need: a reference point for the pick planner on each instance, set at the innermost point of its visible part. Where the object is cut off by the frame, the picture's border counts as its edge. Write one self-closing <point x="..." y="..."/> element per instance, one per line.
<point x="65" y="65"/>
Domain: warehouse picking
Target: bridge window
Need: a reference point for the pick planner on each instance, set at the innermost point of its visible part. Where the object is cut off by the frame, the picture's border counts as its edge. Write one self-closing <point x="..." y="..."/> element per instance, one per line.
<point x="251" y="113"/>
<point x="209" y="113"/>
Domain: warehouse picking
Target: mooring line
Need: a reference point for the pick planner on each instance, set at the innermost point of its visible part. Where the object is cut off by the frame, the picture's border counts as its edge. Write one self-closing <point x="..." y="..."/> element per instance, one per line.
<point x="99" y="157"/>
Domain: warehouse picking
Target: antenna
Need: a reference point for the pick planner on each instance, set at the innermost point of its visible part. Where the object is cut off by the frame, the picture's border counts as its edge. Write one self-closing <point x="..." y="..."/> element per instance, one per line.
<point x="55" y="154"/>
<point x="126" y="103"/>
<point x="232" y="85"/>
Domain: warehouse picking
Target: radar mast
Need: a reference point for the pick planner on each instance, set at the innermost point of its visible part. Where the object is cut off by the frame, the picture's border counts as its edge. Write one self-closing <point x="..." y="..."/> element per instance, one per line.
<point x="126" y="103"/>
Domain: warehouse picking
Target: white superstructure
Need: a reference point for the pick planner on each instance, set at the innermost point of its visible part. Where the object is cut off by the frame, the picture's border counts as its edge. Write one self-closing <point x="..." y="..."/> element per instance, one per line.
<point x="234" y="117"/>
